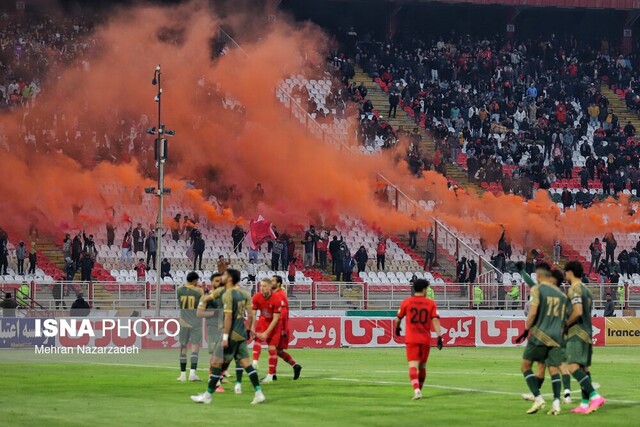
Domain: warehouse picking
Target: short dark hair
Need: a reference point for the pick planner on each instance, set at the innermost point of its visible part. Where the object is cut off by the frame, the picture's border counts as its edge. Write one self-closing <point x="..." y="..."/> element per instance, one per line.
<point x="419" y="285"/>
<point x="558" y="276"/>
<point x="234" y="274"/>
<point x="278" y="279"/>
<point x="575" y="267"/>
<point x="543" y="266"/>
<point x="214" y="275"/>
<point x="192" y="276"/>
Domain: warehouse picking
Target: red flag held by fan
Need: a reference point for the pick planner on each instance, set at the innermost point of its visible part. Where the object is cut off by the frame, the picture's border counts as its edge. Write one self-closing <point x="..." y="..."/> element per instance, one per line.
<point x="260" y="231"/>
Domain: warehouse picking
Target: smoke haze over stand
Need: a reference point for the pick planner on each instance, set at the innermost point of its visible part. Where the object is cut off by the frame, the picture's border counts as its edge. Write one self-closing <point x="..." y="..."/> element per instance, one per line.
<point x="303" y="179"/>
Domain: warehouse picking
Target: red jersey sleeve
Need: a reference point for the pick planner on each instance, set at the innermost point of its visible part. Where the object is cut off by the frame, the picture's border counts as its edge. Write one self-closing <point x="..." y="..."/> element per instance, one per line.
<point x="255" y="301"/>
<point x="402" y="312"/>
<point x="277" y="303"/>
<point x="433" y="310"/>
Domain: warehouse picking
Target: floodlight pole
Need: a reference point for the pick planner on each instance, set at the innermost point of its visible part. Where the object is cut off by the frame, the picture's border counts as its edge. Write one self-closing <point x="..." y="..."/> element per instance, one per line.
<point x="160" y="143"/>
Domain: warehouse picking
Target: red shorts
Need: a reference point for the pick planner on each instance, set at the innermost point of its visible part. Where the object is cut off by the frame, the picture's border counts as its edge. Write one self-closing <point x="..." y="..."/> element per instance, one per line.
<point x="274" y="337"/>
<point x="418" y="352"/>
<point x="284" y="341"/>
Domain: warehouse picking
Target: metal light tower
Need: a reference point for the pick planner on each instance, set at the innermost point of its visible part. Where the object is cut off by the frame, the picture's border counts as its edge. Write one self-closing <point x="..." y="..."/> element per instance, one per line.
<point x="160" y="150"/>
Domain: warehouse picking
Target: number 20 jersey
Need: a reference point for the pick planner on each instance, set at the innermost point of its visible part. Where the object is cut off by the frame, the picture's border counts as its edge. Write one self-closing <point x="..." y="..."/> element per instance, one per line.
<point x="419" y="312"/>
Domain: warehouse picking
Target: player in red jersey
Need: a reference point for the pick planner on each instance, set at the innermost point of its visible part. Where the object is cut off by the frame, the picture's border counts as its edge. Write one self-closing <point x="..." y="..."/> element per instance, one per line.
<point x="276" y="286"/>
<point x="268" y="329"/>
<point x="421" y="313"/>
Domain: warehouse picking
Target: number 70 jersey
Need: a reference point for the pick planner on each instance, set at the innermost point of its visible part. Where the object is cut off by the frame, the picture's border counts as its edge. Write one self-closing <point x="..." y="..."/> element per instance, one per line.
<point x="419" y="312"/>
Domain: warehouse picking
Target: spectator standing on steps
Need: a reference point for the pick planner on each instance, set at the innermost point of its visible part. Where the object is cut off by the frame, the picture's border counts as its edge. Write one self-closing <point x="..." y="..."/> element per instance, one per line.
<point x="394" y="100"/>
<point x="33" y="258"/>
<point x="322" y="245"/>
<point x="66" y="246"/>
<point x="610" y="246"/>
<point x="198" y="250"/>
<point x="381" y="252"/>
<point x="141" y="270"/>
<point x="596" y="252"/>
<point x="276" y="252"/>
<point x="334" y="248"/>
<point x="86" y="265"/>
<point x="473" y="271"/>
<point x="309" y="244"/>
<point x="165" y="269"/>
<point x="111" y="234"/>
<point x="126" y="248"/>
<point x="138" y="238"/>
<point x="237" y="235"/>
<point x="21" y="254"/>
<point x="431" y="252"/>
<point x="151" y="245"/>
<point x="361" y="259"/>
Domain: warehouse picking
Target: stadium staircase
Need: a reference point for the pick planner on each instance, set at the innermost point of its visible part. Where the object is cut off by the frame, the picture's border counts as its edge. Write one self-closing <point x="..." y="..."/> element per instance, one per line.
<point x="380" y="100"/>
<point x="619" y="106"/>
<point x="53" y="252"/>
<point x="445" y="265"/>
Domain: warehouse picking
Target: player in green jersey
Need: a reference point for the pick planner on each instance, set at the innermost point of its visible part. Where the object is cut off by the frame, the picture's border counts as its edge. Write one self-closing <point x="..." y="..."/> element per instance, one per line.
<point x="564" y="368"/>
<point x="545" y="326"/>
<point x="236" y="302"/>
<point x="190" y="325"/>
<point x="579" y="342"/>
<point x="210" y="309"/>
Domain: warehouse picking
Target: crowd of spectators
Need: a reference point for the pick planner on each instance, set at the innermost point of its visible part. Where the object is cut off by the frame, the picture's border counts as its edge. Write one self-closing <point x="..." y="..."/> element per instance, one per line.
<point x="32" y="46"/>
<point x="534" y="106"/>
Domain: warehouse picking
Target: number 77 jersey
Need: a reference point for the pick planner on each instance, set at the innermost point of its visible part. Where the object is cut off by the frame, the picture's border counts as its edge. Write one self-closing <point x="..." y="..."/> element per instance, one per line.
<point x="419" y="312"/>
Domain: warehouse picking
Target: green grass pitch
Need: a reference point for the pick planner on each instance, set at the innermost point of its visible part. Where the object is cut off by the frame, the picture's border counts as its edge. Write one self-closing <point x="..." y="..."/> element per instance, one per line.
<point x="344" y="387"/>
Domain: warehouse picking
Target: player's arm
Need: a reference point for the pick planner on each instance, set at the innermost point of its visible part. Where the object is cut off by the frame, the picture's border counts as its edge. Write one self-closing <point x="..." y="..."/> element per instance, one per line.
<point x="401" y="313"/>
<point x="202" y="307"/>
<point x="272" y="325"/>
<point x="575" y="295"/>
<point x="251" y="317"/>
<point x="525" y="276"/>
<point x="227" y="301"/>
<point x="531" y="317"/>
<point x="435" y="323"/>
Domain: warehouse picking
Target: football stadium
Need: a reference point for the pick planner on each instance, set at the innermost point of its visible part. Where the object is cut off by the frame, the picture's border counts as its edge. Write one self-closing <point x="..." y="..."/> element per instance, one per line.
<point x="319" y="212"/>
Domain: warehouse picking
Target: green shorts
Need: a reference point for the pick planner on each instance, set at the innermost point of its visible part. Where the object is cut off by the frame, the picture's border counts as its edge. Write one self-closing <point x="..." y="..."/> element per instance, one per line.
<point x="236" y="350"/>
<point x="214" y="345"/>
<point x="579" y="352"/>
<point x="550" y="356"/>
<point x="191" y="335"/>
<point x="561" y="354"/>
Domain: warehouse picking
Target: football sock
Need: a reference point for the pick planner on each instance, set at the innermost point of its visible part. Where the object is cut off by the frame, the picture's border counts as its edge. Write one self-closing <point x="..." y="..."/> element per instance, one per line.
<point x="422" y="375"/>
<point x="566" y="382"/>
<point x="413" y="377"/>
<point x="253" y="376"/>
<point x="239" y="372"/>
<point x="584" y="381"/>
<point x="286" y="357"/>
<point x="194" y="361"/>
<point x="540" y="381"/>
<point x="257" y="348"/>
<point x="183" y="363"/>
<point x="556" y="385"/>
<point x="532" y="382"/>
<point x="273" y="361"/>
<point x="213" y="379"/>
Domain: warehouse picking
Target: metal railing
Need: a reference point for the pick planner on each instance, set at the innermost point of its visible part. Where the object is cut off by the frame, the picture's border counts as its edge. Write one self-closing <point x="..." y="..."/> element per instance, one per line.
<point x="370" y="295"/>
<point x="448" y="245"/>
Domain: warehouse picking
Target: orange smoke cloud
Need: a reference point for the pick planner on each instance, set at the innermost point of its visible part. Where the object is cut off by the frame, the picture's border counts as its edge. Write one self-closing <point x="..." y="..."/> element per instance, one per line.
<point x="304" y="180"/>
